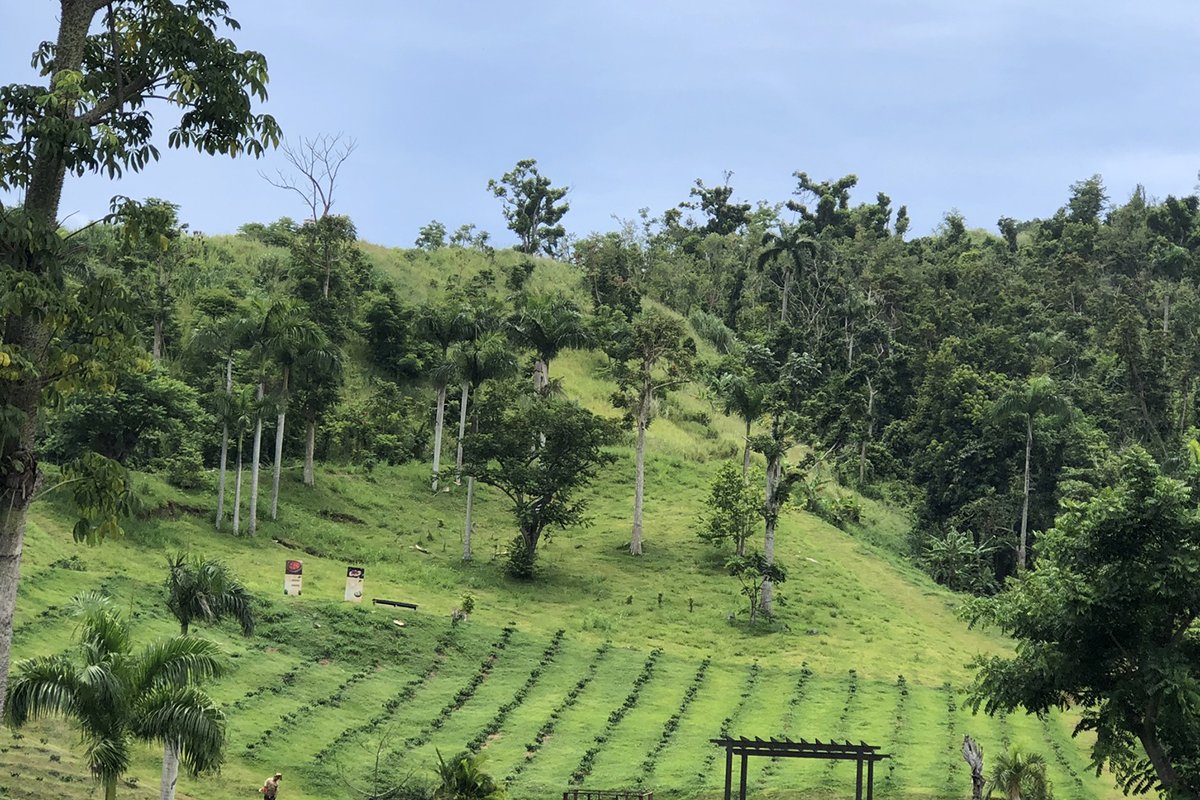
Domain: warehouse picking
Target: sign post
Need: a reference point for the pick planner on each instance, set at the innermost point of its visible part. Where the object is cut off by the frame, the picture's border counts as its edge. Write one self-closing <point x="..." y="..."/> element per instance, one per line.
<point x="354" y="584"/>
<point x="293" y="575"/>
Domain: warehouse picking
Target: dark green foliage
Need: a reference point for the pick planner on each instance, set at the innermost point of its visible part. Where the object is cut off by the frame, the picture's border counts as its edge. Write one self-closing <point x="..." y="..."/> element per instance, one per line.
<point x="532" y="207"/>
<point x="1107" y="623"/>
<point x="381" y="424"/>
<point x="539" y="451"/>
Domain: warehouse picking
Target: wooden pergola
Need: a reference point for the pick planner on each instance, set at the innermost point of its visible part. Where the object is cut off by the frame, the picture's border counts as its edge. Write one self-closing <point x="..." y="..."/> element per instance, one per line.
<point x="861" y="753"/>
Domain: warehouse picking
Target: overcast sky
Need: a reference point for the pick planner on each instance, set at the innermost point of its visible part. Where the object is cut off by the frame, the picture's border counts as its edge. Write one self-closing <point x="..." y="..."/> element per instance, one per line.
<point x="993" y="107"/>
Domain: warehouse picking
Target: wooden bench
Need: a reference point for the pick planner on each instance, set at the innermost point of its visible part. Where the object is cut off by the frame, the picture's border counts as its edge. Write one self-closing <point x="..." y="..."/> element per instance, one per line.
<point x="396" y="603"/>
<point x="606" y="794"/>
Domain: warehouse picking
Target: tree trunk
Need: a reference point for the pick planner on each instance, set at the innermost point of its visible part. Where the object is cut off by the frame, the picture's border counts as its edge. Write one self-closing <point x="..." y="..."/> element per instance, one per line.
<point x="639" y="480"/>
<point x="310" y="449"/>
<point x="237" y="491"/>
<point x="156" y="351"/>
<point x="1163" y="768"/>
<point x="19" y="473"/>
<point x="224" y="446"/>
<point x="462" y="431"/>
<point x="1022" y="562"/>
<point x="541" y="375"/>
<point x="255" y="456"/>
<point x="110" y="787"/>
<point x="862" y="452"/>
<point x="468" y="529"/>
<point x="438" y="425"/>
<point x="774" y="475"/>
<point x="973" y="755"/>
<point x="746" y="458"/>
<point x="283" y="398"/>
<point x="787" y="293"/>
<point x="170" y="771"/>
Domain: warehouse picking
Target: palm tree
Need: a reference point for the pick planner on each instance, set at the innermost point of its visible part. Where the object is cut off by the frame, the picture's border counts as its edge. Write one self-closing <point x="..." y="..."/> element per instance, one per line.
<point x="116" y="696"/>
<point x="206" y="590"/>
<point x="741" y="397"/>
<point x="241" y="412"/>
<point x="485" y="358"/>
<point x="223" y="335"/>
<point x="462" y="778"/>
<point x="1037" y="397"/>
<point x="548" y="324"/>
<point x="1020" y="775"/>
<point x="798" y="249"/>
<point x="441" y="325"/>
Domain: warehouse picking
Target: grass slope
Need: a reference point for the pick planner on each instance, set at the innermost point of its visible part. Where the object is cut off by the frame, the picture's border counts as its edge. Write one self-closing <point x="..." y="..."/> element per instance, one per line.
<point x="609" y="670"/>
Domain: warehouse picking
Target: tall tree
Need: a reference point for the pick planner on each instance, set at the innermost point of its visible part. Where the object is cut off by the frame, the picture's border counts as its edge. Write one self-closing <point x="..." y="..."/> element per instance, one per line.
<point x="92" y="112"/>
<point x="795" y="252"/>
<point x="532" y="207"/>
<point x="539" y="451"/>
<point x="153" y="253"/>
<point x="479" y="360"/>
<point x="440" y="324"/>
<point x="1107" y="624"/>
<point x="117" y="695"/>
<point x="740" y="395"/>
<point x="315" y="164"/>
<point x="650" y="356"/>
<point x="1036" y="397"/>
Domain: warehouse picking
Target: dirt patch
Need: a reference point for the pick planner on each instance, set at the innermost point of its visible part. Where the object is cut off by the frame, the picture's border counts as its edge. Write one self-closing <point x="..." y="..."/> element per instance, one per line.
<point x="172" y="510"/>
<point x="290" y="545"/>
<point x="341" y="516"/>
<point x="324" y="662"/>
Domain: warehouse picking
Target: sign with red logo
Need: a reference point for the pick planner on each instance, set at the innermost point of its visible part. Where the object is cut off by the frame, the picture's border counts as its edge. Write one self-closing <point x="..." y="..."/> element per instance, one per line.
<point x="354" y="584"/>
<point x="293" y="575"/>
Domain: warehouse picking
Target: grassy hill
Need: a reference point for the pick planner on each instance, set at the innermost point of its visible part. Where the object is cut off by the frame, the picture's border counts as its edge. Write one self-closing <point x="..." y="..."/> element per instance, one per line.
<point x="609" y="670"/>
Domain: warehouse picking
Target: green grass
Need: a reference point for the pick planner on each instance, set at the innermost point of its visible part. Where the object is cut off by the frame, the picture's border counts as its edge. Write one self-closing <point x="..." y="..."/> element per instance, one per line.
<point x="325" y="686"/>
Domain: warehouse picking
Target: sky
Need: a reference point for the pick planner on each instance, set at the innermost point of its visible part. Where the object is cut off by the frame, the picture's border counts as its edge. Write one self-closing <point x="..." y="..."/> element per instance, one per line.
<point x="989" y="107"/>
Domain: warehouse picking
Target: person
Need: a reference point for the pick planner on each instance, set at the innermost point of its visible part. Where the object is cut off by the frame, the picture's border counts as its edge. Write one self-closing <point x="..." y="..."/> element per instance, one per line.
<point x="270" y="786"/>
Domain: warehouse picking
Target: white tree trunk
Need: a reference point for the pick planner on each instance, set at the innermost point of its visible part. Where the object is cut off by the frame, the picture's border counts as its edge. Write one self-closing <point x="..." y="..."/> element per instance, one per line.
<point x="541" y="375"/>
<point x="156" y="351"/>
<point x="283" y="398"/>
<point x="639" y="481"/>
<point x="468" y="530"/>
<point x="170" y="771"/>
<point x="255" y="456"/>
<point x="438" y="425"/>
<point x="237" y="491"/>
<point x="774" y="474"/>
<point x="310" y="449"/>
<point x="224" y="447"/>
<point x="1022" y="561"/>
<point x="746" y="458"/>
<point x="462" y="431"/>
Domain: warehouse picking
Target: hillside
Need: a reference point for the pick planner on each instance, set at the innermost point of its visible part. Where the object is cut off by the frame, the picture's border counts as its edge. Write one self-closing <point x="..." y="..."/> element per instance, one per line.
<point x="867" y="648"/>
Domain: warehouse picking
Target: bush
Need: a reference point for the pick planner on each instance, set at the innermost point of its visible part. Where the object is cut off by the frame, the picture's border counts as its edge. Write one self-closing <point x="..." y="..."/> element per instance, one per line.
<point x="710" y="328"/>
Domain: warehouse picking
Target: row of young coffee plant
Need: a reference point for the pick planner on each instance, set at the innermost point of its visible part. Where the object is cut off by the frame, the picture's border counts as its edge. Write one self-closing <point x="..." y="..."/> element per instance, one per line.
<point x="547" y="727"/>
<point x="393" y="703"/>
<point x="897" y="742"/>
<point x="465" y="693"/>
<point x="502" y="713"/>
<point x="672" y="723"/>
<point x="797" y="698"/>
<point x="752" y="676"/>
<point x="614" y="718"/>
<point x="292" y="718"/>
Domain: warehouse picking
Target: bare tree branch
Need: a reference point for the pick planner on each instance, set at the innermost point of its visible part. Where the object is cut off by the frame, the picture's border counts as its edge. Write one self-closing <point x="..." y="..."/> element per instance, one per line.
<point x="315" y="165"/>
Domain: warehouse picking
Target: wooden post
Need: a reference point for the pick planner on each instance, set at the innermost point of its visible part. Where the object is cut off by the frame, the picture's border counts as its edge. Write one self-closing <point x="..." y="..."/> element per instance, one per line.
<point x="742" y="787"/>
<point x="858" y="780"/>
<point x="871" y="779"/>
<point x="728" y="773"/>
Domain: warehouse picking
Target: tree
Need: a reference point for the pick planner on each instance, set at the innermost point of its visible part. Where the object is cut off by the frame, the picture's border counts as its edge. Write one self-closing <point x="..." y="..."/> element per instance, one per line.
<point x="463" y="778"/>
<point x="153" y="252"/>
<point x="548" y="323"/>
<point x="116" y="696"/>
<point x="441" y="325"/>
<point x="241" y="410"/>
<point x="797" y="250"/>
<point x="740" y="395"/>
<point x="92" y="113"/>
<point x="540" y="476"/>
<point x="206" y="590"/>
<point x="478" y="360"/>
<point x="650" y="356"/>
<point x="316" y="164"/>
<point x="431" y="237"/>
<point x="734" y="509"/>
<point x="1107" y="623"/>
<point x="223" y="335"/>
<point x="1035" y="398"/>
<point x="529" y="206"/>
<point x="1020" y="775"/>
<point x="756" y="573"/>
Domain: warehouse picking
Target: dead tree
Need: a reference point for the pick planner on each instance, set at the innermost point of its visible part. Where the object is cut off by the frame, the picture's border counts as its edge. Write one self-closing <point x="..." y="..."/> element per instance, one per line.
<point x="315" y="164"/>
<point x="972" y="752"/>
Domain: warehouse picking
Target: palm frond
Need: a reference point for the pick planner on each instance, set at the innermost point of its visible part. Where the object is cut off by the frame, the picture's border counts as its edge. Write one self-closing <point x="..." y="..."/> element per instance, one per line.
<point x="41" y="687"/>
<point x="189" y="719"/>
<point x="178" y="661"/>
